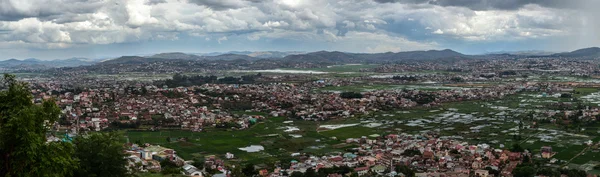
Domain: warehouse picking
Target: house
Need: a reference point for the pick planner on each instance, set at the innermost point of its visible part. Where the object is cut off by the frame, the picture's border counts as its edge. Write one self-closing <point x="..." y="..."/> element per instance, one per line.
<point x="263" y="172"/>
<point x="229" y="155"/>
<point x="362" y="170"/>
<point x="482" y="173"/>
<point x="190" y="170"/>
<point x="428" y="155"/>
<point x="514" y="156"/>
<point x="378" y="169"/>
<point x="547" y="152"/>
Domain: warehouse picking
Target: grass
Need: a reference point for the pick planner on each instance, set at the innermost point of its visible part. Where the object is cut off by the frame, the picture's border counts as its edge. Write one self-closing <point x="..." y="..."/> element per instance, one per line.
<point x="219" y="142"/>
<point x="579" y="92"/>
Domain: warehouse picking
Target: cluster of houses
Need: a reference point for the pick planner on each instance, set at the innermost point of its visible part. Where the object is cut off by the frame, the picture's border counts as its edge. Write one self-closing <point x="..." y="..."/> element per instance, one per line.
<point x="298" y="100"/>
<point x="496" y="67"/>
<point x="147" y="158"/>
<point x="197" y="107"/>
<point x="427" y="155"/>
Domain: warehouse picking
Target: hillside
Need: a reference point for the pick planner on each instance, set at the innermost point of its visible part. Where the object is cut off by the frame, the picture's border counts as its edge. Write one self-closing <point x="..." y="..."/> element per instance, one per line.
<point x="129" y="60"/>
<point x="588" y="53"/>
<point x="32" y="63"/>
<point x="341" y="57"/>
<point x="176" y="55"/>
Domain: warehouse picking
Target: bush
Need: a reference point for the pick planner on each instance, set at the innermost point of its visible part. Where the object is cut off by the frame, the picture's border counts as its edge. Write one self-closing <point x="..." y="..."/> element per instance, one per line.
<point x="349" y="95"/>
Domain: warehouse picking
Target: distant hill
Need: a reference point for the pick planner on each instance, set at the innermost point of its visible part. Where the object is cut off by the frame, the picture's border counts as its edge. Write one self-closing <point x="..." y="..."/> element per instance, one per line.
<point x="32" y="63"/>
<point x="324" y="57"/>
<point x="176" y="55"/>
<point x="589" y="53"/>
<point x="257" y="54"/>
<point x="229" y="57"/>
<point x="131" y="60"/>
<point x="341" y="57"/>
<point x="273" y="54"/>
<point x="314" y="57"/>
<point x="522" y="53"/>
<point x="184" y="56"/>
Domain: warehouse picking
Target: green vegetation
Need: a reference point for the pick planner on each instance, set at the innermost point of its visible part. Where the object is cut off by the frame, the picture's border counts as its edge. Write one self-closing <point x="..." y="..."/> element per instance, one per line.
<point x="584" y="91"/>
<point x="22" y="138"/>
<point x="349" y="95"/>
<point x="23" y="146"/>
<point x="100" y="154"/>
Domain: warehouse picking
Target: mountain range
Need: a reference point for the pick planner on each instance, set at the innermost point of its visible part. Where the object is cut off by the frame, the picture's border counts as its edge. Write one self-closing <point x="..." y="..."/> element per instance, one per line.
<point x="320" y="57"/>
<point x="36" y="63"/>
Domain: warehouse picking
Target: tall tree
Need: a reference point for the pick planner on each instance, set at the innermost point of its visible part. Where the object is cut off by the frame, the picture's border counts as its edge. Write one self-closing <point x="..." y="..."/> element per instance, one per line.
<point x="100" y="154"/>
<point x="23" y="128"/>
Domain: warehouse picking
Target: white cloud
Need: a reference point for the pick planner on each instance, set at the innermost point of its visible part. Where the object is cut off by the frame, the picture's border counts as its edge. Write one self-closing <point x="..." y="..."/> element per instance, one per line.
<point x="65" y="23"/>
<point x="224" y="38"/>
<point x="139" y="13"/>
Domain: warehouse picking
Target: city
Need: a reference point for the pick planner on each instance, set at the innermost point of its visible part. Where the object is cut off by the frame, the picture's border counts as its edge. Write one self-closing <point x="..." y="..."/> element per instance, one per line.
<point x="299" y="88"/>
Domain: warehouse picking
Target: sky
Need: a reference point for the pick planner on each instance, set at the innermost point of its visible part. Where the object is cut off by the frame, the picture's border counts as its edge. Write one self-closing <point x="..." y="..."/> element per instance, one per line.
<point x="55" y="29"/>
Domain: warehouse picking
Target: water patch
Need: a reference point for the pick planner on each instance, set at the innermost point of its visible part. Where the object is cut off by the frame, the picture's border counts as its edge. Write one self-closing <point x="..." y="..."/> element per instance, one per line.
<point x="253" y="148"/>
<point x="333" y="127"/>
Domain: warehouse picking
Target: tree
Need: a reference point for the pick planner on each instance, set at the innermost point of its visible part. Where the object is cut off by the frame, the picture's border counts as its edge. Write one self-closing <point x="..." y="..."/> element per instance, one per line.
<point x="524" y="171"/>
<point x="405" y="170"/>
<point x="548" y="172"/>
<point x="492" y="171"/>
<point x="249" y="170"/>
<point x="310" y="173"/>
<point x="168" y="167"/>
<point x="237" y="171"/>
<point x="517" y="148"/>
<point x="296" y="174"/>
<point x="199" y="163"/>
<point x="349" y="95"/>
<point x="411" y="152"/>
<point x="100" y="154"/>
<point x="23" y="127"/>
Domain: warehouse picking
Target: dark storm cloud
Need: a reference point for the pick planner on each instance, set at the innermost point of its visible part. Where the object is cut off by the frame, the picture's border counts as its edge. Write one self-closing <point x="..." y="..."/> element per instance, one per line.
<point x="492" y="4"/>
<point x="153" y="2"/>
<point x="223" y="4"/>
<point x="10" y="10"/>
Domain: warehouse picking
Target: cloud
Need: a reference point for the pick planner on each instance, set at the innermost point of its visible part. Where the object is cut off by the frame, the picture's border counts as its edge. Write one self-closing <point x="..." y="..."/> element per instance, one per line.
<point x="221" y="4"/>
<point x="493" y="4"/>
<point x="14" y="10"/>
<point x="224" y="38"/>
<point x="361" y="25"/>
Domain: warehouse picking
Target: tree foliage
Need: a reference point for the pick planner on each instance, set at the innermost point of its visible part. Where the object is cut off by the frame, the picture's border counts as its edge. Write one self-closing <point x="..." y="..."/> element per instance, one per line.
<point x="348" y="95"/>
<point x="100" y="154"/>
<point x="249" y="170"/>
<point x="24" y="150"/>
<point x="23" y="126"/>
